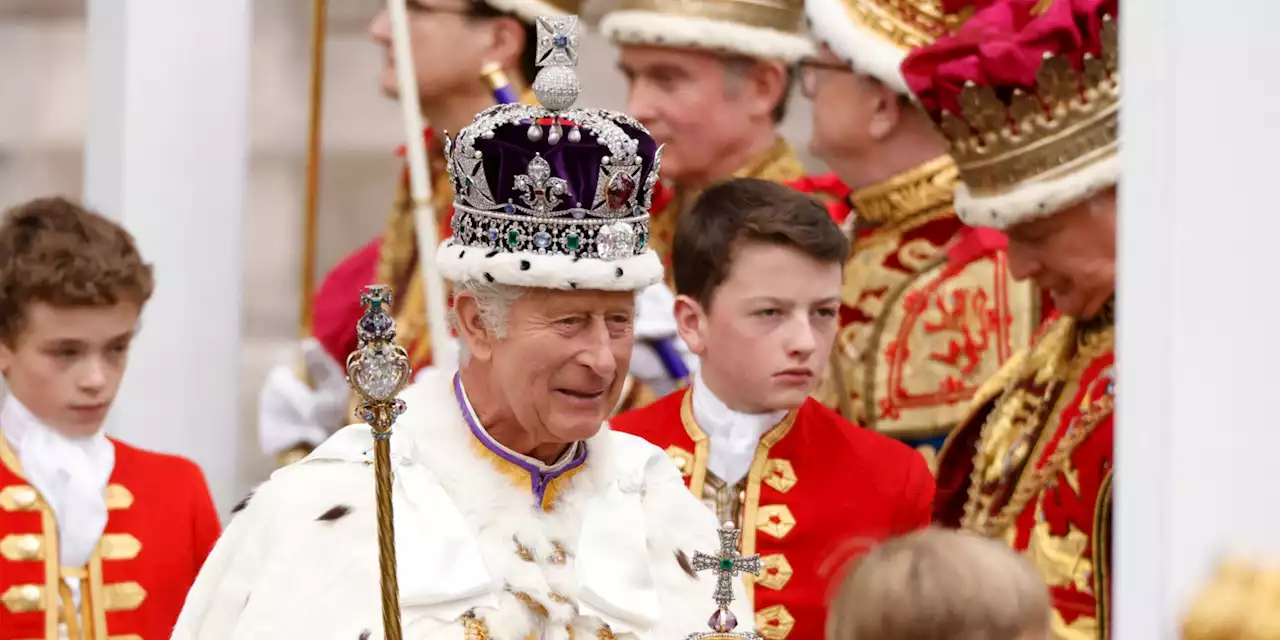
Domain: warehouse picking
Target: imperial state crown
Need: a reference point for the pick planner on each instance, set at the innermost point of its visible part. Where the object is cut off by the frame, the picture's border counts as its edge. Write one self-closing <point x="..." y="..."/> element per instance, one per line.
<point x="552" y="196"/>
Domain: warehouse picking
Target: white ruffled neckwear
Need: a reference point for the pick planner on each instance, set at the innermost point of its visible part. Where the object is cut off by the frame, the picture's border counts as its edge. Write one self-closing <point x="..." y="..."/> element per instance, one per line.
<point x="71" y="475"/>
<point x="732" y="435"/>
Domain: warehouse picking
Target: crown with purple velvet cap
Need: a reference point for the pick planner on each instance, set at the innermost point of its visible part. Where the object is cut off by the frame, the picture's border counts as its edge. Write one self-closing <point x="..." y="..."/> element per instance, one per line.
<point x="552" y="196"/>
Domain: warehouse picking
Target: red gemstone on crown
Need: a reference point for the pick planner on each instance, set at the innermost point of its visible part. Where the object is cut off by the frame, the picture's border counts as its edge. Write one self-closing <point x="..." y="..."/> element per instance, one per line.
<point x="620" y="189"/>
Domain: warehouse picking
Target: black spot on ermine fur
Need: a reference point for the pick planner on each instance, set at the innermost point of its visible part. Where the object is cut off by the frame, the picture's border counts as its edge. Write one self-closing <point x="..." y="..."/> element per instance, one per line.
<point x="685" y="564"/>
<point x="242" y="504"/>
<point x="337" y="513"/>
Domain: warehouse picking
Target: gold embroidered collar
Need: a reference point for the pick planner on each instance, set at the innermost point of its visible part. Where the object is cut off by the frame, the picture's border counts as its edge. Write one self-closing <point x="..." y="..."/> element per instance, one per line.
<point x="921" y="189"/>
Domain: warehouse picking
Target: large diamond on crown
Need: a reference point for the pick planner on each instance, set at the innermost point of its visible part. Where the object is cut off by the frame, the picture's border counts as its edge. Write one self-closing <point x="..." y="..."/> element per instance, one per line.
<point x="615" y="241"/>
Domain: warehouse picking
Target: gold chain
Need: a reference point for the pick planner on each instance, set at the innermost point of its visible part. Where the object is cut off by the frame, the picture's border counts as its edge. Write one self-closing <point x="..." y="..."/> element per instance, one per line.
<point x="1079" y="429"/>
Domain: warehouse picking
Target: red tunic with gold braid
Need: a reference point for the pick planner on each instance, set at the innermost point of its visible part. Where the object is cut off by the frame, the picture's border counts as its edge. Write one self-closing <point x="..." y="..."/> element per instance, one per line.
<point x="161" y="524"/>
<point x="1033" y="463"/>
<point x="816" y="485"/>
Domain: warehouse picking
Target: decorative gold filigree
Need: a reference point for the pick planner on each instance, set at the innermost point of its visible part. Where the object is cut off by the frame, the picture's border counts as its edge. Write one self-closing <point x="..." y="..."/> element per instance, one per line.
<point x="780" y="475"/>
<point x="1015" y="433"/>
<point x="922" y="189"/>
<point x="22" y="547"/>
<point x="1071" y="121"/>
<point x="908" y="24"/>
<point x="777" y="572"/>
<point x="774" y="623"/>
<point x="775" y="520"/>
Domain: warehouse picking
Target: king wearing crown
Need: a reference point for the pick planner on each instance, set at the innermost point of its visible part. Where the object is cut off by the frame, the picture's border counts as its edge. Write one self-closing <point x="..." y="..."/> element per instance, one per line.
<point x="517" y="513"/>
<point x="929" y="307"/>
<point x="491" y="56"/>
<point x="1028" y="95"/>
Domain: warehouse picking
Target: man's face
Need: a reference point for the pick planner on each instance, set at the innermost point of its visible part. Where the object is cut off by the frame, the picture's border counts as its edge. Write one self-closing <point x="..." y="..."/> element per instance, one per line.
<point x="767" y="335"/>
<point x="1071" y="254"/>
<point x="845" y="105"/>
<point x="66" y="363"/>
<point x="564" y="359"/>
<point x="691" y="102"/>
<point x="448" y="47"/>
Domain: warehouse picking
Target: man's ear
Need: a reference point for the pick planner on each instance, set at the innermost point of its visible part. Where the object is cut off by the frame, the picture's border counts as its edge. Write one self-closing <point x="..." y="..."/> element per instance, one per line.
<point x="887" y="112"/>
<point x="6" y="357"/>
<point x="506" y="43"/>
<point x="768" y="85"/>
<point x="691" y="322"/>
<point x="470" y="327"/>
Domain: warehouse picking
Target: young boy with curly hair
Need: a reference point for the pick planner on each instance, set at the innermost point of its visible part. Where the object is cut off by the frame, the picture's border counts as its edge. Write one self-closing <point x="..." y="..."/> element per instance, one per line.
<point x="103" y="538"/>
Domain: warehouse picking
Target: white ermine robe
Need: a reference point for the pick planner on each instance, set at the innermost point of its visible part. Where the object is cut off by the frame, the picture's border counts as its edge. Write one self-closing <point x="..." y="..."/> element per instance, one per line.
<point x="486" y="540"/>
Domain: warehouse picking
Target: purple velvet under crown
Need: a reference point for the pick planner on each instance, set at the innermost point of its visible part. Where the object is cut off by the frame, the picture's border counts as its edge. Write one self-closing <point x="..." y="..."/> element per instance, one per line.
<point x="548" y="195"/>
<point x="586" y="194"/>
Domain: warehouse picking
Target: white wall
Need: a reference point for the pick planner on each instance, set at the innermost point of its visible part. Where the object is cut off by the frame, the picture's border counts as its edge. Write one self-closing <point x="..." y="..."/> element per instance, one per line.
<point x="1198" y="308"/>
<point x="166" y="153"/>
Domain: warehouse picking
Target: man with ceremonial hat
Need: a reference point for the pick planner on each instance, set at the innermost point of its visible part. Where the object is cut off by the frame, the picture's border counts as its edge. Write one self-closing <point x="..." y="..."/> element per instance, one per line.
<point x="466" y="55"/>
<point x="1028" y="95"/>
<point x="517" y="513"/>
<point x="710" y="79"/>
<point x="929" y="309"/>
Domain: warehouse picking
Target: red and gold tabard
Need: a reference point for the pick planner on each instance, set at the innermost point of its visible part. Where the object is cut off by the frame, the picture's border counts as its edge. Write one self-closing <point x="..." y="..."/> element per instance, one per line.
<point x="161" y="524"/>
<point x="816" y="486"/>
<point x="929" y="310"/>
<point x="1033" y="462"/>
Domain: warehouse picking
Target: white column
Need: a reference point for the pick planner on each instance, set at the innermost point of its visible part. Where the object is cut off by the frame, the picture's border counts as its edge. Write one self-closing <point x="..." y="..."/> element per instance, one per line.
<point x="166" y="154"/>
<point x="1198" y="427"/>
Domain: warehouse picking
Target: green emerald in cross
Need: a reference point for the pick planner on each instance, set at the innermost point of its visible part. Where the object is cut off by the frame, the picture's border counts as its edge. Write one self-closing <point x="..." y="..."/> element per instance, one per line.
<point x="726" y="564"/>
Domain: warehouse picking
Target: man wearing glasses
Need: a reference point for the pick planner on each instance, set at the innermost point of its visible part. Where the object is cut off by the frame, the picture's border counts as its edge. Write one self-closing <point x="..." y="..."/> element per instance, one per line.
<point x="930" y="310"/>
<point x="463" y="51"/>
<point x="710" y="80"/>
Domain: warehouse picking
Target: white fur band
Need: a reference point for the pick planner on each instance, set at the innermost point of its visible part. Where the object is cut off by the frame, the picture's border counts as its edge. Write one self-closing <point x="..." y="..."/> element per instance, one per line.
<point x="460" y="263"/>
<point x="527" y="10"/>
<point x="1036" y="199"/>
<point x="648" y="27"/>
<point x="864" y="49"/>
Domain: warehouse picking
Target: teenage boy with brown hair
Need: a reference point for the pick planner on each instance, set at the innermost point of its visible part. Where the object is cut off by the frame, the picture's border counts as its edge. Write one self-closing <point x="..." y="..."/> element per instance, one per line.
<point x="100" y="538"/>
<point x="758" y="270"/>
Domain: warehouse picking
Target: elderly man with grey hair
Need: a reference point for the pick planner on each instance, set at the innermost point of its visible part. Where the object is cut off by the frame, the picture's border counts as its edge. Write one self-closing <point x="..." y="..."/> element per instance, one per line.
<point x="518" y="513"/>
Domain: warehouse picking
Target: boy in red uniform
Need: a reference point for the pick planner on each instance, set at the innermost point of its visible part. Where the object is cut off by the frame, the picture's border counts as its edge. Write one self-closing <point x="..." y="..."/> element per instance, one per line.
<point x="98" y="539"/>
<point x="757" y="271"/>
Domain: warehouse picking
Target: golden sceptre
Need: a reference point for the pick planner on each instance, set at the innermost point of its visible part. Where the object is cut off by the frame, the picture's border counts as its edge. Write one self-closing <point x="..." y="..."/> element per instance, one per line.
<point x="378" y="369"/>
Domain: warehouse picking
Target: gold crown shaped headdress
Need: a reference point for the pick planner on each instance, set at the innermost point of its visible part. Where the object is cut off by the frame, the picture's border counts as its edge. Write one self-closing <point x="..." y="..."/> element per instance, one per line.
<point x="1027" y="151"/>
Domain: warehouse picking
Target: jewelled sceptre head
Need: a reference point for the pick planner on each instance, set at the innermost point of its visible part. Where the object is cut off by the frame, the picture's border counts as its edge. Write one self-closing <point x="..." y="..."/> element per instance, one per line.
<point x="727" y="565"/>
<point x="378" y="369"/>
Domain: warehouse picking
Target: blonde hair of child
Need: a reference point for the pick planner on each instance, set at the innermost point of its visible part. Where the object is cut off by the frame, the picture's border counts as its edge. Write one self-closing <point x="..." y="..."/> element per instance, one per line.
<point x="939" y="584"/>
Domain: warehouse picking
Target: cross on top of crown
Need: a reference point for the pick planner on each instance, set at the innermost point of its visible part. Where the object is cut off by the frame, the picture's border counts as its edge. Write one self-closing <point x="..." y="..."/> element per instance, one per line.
<point x="557" y="41"/>
<point x="727" y="564"/>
